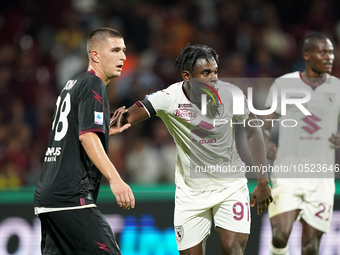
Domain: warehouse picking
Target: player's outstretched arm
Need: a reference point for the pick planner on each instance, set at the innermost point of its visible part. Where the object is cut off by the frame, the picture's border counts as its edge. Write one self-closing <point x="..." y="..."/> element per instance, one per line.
<point x="96" y="153"/>
<point x="132" y="115"/>
<point x="262" y="191"/>
<point x="116" y="125"/>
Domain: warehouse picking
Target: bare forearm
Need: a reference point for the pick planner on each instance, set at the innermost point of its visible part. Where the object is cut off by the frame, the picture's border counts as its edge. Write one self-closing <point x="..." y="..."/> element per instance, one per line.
<point x="257" y="150"/>
<point x="98" y="156"/>
<point x="267" y="126"/>
<point x="135" y="114"/>
<point x="262" y="191"/>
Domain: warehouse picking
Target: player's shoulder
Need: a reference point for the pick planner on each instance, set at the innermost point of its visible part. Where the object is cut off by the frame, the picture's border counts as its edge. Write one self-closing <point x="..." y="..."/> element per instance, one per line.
<point x="83" y="81"/>
<point x="88" y="81"/>
<point x="296" y="74"/>
<point x="175" y="88"/>
<point x="289" y="79"/>
<point x="332" y="80"/>
<point x="170" y="92"/>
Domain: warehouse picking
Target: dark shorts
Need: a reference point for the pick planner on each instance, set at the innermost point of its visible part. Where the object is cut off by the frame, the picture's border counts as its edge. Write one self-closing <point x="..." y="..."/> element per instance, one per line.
<point x="78" y="232"/>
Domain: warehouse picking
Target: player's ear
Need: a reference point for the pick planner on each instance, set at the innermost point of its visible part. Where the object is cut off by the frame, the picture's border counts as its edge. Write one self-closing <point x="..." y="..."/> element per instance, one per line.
<point x="186" y="75"/>
<point x="306" y="56"/>
<point x="95" y="56"/>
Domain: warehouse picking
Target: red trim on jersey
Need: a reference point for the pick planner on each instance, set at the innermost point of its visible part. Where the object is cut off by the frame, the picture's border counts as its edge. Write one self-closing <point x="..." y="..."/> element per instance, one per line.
<point x="313" y="87"/>
<point x="91" y="71"/>
<point x="92" y="130"/>
<point x="139" y="104"/>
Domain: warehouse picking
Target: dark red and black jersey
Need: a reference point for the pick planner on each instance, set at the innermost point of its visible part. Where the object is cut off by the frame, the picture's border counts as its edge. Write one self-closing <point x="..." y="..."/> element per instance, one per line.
<point x="69" y="178"/>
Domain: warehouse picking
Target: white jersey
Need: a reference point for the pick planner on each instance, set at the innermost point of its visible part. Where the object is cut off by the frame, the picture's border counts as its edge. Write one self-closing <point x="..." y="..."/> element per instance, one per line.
<point x="305" y="149"/>
<point x="207" y="158"/>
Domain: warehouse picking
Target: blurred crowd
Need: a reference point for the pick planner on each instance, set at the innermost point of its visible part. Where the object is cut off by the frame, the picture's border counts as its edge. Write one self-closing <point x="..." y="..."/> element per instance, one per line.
<point x="42" y="45"/>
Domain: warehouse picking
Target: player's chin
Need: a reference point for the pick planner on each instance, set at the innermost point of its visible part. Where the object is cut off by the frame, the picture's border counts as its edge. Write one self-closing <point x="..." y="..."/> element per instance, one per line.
<point x="116" y="74"/>
<point x="329" y="70"/>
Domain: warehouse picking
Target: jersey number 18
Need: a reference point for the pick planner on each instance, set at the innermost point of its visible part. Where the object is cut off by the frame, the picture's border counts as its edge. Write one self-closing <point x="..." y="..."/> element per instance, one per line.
<point x="62" y="124"/>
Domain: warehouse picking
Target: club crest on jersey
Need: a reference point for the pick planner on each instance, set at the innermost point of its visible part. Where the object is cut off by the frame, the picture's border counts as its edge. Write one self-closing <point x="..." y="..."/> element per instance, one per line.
<point x="179" y="232"/>
<point x="330" y="98"/>
<point x="98" y="118"/>
<point x="216" y="111"/>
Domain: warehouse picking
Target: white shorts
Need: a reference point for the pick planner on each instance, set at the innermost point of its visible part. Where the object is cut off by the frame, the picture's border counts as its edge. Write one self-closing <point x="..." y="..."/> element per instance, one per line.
<point x="194" y="211"/>
<point x="316" y="207"/>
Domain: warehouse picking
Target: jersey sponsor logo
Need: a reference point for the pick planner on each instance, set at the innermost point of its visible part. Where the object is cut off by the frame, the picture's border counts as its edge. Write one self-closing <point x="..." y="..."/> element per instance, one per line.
<point x="179" y="232"/>
<point x="184" y="105"/>
<point x="52" y="153"/>
<point x="330" y="98"/>
<point x="98" y="118"/>
<point x="312" y="126"/>
<point x="69" y="85"/>
<point x="186" y="114"/>
<point x="204" y="141"/>
<point x="96" y="96"/>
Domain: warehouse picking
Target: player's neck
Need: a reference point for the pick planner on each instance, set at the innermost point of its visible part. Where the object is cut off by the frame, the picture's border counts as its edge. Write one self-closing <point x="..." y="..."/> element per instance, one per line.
<point x="99" y="73"/>
<point x="190" y="97"/>
<point x="312" y="78"/>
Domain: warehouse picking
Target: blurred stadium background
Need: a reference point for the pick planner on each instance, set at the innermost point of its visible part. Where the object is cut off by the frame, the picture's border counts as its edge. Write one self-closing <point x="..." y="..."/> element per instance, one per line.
<point x="42" y="44"/>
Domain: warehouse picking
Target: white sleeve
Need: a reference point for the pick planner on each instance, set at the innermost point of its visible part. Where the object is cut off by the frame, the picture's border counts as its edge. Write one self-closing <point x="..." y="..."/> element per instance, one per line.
<point x="161" y="101"/>
<point x="245" y="116"/>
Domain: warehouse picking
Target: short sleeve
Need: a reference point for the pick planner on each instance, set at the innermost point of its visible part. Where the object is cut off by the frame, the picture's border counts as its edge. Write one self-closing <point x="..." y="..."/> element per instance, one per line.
<point x="245" y="116"/>
<point x="91" y="104"/>
<point x="161" y="101"/>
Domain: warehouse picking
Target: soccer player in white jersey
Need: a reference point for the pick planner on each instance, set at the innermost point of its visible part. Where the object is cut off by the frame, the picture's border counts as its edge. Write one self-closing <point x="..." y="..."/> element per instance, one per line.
<point x="202" y="195"/>
<point x="307" y="192"/>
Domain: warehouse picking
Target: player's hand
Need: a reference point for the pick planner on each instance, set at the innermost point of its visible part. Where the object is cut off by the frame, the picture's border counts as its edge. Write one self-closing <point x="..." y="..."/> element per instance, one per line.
<point x="116" y="126"/>
<point x="262" y="194"/>
<point x="123" y="194"/>
<point x="335" y="140"/>
<point x="271" y="151"/>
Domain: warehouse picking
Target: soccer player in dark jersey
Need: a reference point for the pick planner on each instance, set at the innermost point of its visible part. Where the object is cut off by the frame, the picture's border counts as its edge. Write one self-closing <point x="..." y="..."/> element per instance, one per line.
<point x="76" y="157"/>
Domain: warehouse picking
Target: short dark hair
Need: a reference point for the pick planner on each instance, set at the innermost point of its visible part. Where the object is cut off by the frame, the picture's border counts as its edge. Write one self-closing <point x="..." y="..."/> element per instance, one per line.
<point x="191" y="53"/>
<point x="310" y="41"/>
<point x="101" y="34"/>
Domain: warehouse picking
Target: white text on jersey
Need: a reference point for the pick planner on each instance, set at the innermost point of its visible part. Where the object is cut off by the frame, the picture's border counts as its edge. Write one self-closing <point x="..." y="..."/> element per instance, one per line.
<point x="69" y="85"/>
